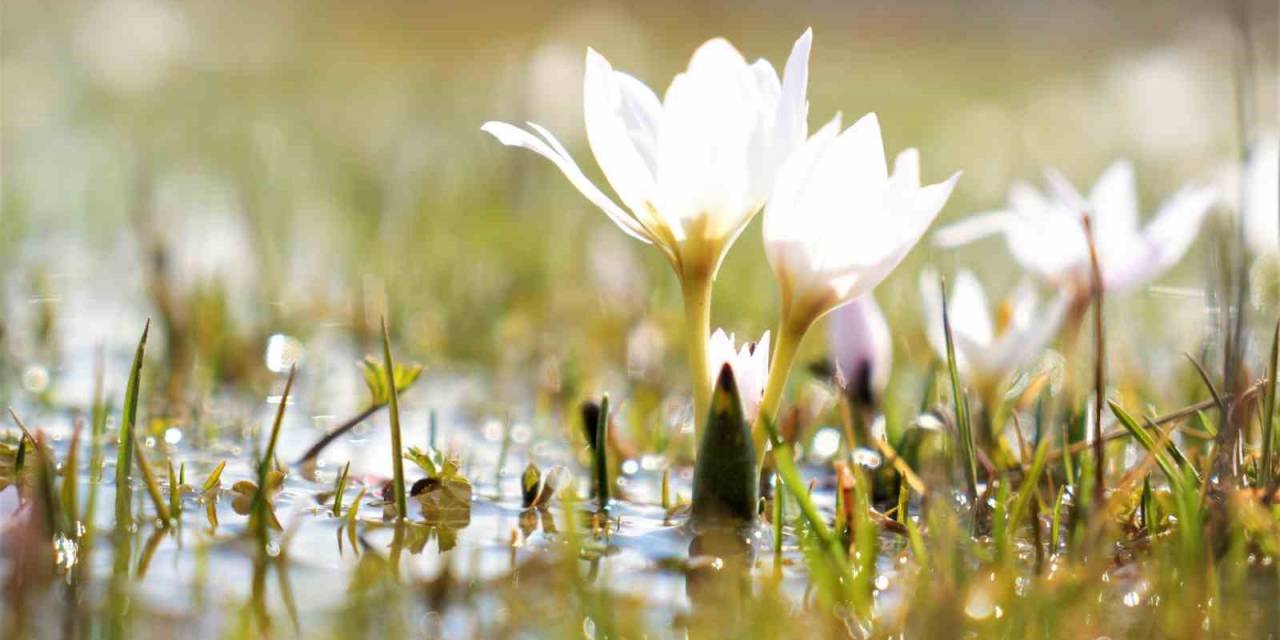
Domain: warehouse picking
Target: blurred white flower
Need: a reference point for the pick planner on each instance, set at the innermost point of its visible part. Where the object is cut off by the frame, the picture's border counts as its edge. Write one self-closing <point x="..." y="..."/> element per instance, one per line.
<point x="988" y="352"/>
<point x="692" y="169"/>
<point x="1045" y="234"/>
<point x="131" y="44"/>
<point x="838" y="223"/>
<point x="862" y="349"/>
<point x="1262" y="198"/>
<point x="750" y="366"/>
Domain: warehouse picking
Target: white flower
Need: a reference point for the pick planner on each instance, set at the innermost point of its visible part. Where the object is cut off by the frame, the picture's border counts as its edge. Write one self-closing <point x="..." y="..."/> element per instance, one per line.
<point x="986" y="352"/>
<point x="862" y="348"/>
<point x="838" y="223"/>
<point x="1261" y="217"/>
<point x="693" y="169"/>
<point x="1046" y="235"/>
<point x="750" y="366"/>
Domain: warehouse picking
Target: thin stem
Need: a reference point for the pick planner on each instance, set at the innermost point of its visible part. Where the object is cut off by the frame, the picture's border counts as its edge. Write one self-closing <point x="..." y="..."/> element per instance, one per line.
<point x="697" y="316"/>
<point x="790" y="334"/>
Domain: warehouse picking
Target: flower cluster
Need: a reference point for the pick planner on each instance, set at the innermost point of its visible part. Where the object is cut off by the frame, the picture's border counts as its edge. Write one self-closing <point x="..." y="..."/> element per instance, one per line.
<point x="728" y="139"/>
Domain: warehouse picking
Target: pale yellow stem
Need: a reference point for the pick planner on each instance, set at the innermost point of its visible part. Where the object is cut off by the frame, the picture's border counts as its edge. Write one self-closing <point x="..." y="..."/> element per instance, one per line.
<point x="790" y="334"/>
<point x="697" y="316"/>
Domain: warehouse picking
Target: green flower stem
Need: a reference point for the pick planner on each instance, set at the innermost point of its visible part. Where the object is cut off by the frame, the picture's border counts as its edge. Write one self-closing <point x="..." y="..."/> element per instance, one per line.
<point x="790" y="334"/>
<point x="697" y="316"/>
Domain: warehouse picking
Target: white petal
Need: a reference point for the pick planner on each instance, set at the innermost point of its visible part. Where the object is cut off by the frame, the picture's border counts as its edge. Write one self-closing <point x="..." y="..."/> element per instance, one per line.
<point x="906" y="170"/>
<point x="1114" y="200"/>
<point x="972" y="228"/>
<point x="968" y="309"/>
<point x="861" y="345"/>
<point x="621" y="117"/>
<point x="552" y="150"/>
<point x="1261" y="214"/>
<point x="1022" y="344"/>
<point x="710" y="141"/>
<point x="1065" y="192"/>
<point x="1164" y="240"/>
<point x="792" y="125"/>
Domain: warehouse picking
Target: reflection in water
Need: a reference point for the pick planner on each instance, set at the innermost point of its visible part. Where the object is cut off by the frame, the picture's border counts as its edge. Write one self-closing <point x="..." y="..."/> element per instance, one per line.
<point x="717" y="580"/>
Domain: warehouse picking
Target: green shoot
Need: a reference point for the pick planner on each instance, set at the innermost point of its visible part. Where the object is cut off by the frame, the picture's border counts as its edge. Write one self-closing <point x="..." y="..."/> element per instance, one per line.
<point x="124" y="454"/>
<point x="397" y="455"/>
<point x="963" y="424"/>
<point x="600" y="455"/>
<point x="340" y="489"/>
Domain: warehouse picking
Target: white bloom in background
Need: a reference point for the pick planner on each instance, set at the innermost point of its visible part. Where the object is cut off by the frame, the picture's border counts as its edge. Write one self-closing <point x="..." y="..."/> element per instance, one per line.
<point x="988" y="352"/>
<point x="750" y="366"/>
<point x="862" y="349"/>
<point x="838" y="222"/>
<point x="1045" y="234"/>
<point x="693" y="169"/>
<point x="1262" y="199"/>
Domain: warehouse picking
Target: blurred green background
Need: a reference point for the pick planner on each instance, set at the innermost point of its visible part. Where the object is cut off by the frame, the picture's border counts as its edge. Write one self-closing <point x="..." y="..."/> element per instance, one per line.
<point x="260" y="167"/>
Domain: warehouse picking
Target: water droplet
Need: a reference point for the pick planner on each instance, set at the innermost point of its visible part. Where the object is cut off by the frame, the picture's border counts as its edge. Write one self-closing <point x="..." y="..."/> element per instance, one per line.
<point x="282" y="352"/>
<point x="825" y="443"/>
<point x="35" y="379"/>
<point x="867" y="458"/>
<point x="882" y="582"/>
<point x="492" y="430"/>
<point x="980" y="605"/>
<point x="630" y="467"/>
<point x="173" y="435"/>
<point x="273" y="549"/>
<point x="521" y="433"/>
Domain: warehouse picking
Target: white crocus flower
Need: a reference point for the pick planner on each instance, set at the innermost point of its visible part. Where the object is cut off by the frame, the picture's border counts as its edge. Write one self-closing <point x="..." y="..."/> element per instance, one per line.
<point x="988" y="353"/>
<point x="1261" y="216"/>
<point x="690" y="170"/>
<point x="836" y="225"/>
<point x="750" y="366"/>
<point x="1046" y="235"/>
<point x="1261" y="219"/>
<point x="838" y="222"/>
<point x="862" y="349"/>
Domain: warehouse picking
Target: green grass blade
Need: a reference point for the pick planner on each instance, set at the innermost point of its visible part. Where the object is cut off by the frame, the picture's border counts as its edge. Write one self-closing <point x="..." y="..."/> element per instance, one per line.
<point x="397" y="456"/>
<point x="1269" y="412"/>
<point x="600" y="454"/>
<point x="1167" y="461"/>
<point x="124" y="451"/>
<point x="963" y="425"/>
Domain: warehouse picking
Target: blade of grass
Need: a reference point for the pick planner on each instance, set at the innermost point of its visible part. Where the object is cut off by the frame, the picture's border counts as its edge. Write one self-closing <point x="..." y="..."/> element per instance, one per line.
<point x="600" y="455"/>
<point x="1170" y="467"/>
<point x="340" y="489"/>
<point x="262" y="514"/>
<point x="1030" y="481"/>
<point x="44" y="471"/>
<point x="963" y="425"/>
<point x="124" y="452"/>
<point x="153" y="485"/>
<point x="1269" y="413"/>
<point x="70" y="466"/>
<point x="397" y="456"/>
<point x="786" y="470"/>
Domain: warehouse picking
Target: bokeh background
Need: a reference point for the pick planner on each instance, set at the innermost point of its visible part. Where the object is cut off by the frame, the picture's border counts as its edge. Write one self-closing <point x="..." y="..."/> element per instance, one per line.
<point x="241" y="170"/>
